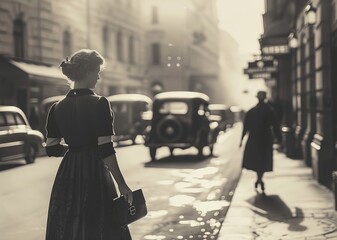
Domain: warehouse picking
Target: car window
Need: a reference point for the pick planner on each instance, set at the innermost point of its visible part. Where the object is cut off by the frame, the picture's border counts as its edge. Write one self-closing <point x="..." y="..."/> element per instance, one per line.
<point x="10" y="119"/>
<point x="2" y="120"/>
<point x="19" y="119"/>
<point x="119" y="107"/>
<point x="173" y="108"/>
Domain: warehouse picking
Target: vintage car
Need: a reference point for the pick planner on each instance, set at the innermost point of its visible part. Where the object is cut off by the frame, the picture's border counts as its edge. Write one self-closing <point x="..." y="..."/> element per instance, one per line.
<point x="132" y="115"/>
<point x="181" y="120"/>
<point x="17" y="139"/>
<point x="221" y="114"/>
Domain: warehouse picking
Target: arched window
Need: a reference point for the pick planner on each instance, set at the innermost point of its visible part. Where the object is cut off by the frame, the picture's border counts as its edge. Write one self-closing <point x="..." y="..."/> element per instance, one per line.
<point x="131" y="50"/>
<point x="119" y="47"/>
<point x="67" y="41"/>
<point x="19" y="38"/>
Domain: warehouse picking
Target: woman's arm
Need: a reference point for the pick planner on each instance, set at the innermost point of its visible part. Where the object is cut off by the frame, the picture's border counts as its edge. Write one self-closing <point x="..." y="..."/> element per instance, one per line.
<point x="54" y="148"/>
<point x="244" y="130"/>
<point x="112" y="164"/>
<point x="105" y="132"/>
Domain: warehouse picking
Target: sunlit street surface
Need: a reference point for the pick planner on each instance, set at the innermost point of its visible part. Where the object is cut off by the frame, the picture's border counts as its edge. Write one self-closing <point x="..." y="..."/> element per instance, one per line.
<point x="187" y="197"/>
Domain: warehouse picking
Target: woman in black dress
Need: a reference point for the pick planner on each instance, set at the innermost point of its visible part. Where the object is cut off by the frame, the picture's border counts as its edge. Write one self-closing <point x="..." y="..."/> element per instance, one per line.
<point x="261" y="125"/>
<point x="80" y="203"/>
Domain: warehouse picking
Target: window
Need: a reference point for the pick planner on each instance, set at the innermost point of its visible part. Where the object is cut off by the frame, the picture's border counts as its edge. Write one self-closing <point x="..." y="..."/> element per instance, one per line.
<point x="131" y="50"/>
<point x="105" y="37"/>
<point x="154" y="19"/>
<point x="19" y="119"/>
<point x="10" y="119"/>
<point x="179" y="108"/>
<point x="66" y="43"/>
<point x="155" y="49"/>
<point x="119" y="46"/>
<point x="2" y="120"/>
<point x="19" y="38"/>
<point x="119" y="107"/>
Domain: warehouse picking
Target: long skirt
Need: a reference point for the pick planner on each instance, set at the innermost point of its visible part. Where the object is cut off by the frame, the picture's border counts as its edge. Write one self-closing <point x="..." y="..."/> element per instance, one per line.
<point x="80" y="204"/>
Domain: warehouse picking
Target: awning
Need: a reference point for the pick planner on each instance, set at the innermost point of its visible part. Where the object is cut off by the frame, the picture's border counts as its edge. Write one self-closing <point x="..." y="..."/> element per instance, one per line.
<point x="32" y="70"/>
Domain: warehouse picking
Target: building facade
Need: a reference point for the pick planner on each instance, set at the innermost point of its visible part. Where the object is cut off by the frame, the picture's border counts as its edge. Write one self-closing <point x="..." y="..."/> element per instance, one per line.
<point x="36" y="35"/>
<point x="181" y="45"/>
<point x="306" y="84"/>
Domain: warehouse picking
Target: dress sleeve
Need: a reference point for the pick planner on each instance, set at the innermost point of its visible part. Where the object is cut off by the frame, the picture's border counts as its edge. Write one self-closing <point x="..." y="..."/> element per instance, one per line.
<point x="51" y="127"/>
<point x="105" y="127"/>
<point x="53" y="146"/>
<point x="105" y="118"/>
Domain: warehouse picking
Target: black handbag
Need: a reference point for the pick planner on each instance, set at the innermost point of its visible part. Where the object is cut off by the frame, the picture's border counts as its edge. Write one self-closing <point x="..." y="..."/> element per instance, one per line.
<point x="127" y="213"/>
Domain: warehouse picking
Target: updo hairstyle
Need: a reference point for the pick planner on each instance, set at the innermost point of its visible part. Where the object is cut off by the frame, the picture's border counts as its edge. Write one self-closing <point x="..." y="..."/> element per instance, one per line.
<point x="81" y="63"/>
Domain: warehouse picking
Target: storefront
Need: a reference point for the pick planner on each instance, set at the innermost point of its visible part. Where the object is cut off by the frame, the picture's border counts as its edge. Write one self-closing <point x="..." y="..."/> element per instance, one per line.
<point x="26" y="83"/>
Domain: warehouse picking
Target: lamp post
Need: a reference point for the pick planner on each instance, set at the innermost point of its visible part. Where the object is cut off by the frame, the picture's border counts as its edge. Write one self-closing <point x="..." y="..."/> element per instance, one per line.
<point x="292" y="40"/>
<point x="310" y="14"/>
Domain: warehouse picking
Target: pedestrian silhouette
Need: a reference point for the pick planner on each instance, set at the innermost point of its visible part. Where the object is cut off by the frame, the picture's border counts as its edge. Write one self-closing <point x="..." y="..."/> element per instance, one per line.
<point x="81" y="199"/>
<point x="261" y="125"/>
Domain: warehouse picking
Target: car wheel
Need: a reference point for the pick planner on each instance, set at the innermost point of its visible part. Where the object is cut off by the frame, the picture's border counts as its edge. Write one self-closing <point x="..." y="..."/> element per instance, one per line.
<point x="153" y="152"/>
<point x="30" y="154"/>
<point x="133" y="139"/>
<point x="169" y="129"/>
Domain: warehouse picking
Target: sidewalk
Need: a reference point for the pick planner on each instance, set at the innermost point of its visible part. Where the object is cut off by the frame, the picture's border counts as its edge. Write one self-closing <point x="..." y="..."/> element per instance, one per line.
<point x="295" y="206"/>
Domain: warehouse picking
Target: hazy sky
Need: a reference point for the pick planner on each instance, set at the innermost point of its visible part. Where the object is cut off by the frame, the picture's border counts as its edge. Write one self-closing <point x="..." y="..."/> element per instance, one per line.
<point x="243" y="20"/>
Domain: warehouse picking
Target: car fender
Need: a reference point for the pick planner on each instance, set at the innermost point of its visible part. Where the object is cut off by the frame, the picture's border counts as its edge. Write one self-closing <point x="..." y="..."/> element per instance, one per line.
<point x="35" y="137"/>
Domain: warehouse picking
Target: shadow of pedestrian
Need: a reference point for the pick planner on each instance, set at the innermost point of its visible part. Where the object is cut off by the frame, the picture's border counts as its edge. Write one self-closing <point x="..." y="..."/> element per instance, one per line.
<point x="273" y="208"/>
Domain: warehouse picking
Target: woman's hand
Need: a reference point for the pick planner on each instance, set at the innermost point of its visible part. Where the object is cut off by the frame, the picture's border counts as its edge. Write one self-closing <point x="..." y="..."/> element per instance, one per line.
<point x="126" y="192"/>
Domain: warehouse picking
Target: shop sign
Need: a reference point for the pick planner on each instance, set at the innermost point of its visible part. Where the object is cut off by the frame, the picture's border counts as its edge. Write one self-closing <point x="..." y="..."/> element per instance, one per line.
<point x="261" y="67"/>
<point x="275" y="49"/>
<point x="260" y="75"/>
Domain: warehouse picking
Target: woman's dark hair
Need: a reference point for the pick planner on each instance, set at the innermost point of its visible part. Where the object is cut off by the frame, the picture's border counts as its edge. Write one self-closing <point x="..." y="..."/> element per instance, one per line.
<point x="81" y="63"/>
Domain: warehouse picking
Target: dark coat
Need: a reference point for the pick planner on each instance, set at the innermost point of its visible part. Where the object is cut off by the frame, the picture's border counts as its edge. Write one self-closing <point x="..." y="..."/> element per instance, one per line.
<point x="261" y="124"/>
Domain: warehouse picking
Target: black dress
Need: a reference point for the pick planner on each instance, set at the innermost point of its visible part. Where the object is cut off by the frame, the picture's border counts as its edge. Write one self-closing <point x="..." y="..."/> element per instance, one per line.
<point x="261" y="125"/>
<point x="80" y="203"/>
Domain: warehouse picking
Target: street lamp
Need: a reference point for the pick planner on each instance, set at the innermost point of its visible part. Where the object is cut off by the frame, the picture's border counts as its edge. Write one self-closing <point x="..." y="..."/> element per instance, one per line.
<point x="310" y="14"/>
<point x="292" y="40"/>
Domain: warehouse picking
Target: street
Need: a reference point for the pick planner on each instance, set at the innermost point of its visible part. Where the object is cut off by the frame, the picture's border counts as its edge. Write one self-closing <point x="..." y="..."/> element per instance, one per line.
<point x="187" y="197"/>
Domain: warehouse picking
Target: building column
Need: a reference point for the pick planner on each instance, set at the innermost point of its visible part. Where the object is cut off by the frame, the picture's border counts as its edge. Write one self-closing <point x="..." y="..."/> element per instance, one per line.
<point x="301" y="124"/>
<point x="285" y="97"/>
<point x="310" y="96"/>
<point x="323" y="144"/>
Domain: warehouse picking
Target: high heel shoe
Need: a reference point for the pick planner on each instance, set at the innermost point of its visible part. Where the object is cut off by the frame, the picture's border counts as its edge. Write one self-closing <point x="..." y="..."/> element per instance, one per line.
<point x="262" y="186"/>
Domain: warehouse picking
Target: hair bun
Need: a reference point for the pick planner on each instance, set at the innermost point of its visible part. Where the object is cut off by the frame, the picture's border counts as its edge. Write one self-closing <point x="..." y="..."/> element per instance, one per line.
<point x="65" y="61"/>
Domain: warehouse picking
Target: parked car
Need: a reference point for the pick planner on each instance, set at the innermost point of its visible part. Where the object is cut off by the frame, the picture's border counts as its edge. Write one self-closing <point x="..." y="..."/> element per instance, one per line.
<point x="132" y="115"/>
<point x="17" y="139"/>
<point x="238" y="113"/>
<point x="221" y="114"/>
<point x="181" y="120"/>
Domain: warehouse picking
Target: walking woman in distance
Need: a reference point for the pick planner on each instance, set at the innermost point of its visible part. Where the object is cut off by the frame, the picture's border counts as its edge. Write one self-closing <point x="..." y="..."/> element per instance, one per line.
<point x="261" y="125"/>
<point x="80" y="202"/>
